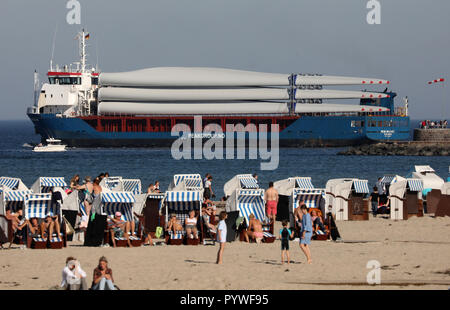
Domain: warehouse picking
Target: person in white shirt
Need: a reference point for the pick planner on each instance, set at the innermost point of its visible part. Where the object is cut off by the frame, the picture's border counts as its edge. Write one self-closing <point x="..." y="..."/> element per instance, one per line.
<point x="73" y="277"/>
<point x="221" y="235"/>
<point x="191" y="225"/>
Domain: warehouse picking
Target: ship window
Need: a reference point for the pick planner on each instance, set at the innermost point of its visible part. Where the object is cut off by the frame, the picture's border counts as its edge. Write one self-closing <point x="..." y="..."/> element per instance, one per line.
<point x="51" y="80"/>
<point x="94" y="81"/>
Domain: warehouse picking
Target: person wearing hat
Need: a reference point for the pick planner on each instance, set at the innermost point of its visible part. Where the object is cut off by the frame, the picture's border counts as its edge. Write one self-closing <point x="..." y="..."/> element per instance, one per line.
<point x="118" y="228"/>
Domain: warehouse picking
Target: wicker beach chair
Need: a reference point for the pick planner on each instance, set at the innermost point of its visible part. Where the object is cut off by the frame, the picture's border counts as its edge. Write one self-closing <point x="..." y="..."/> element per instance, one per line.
<point x="181" y="203"/>
<point x="251" y="201"/>
<point x="39" y="206"/>
<point x="122" y="202"/>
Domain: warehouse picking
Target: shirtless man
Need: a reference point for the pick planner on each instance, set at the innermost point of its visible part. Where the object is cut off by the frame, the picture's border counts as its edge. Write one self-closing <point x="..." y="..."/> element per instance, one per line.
<point x="118" y="228"/>
<point x="13" y="217"/>
<point x="254" y="230"/>
<point x="271" y="198"/>
<point x="174" y="225"/>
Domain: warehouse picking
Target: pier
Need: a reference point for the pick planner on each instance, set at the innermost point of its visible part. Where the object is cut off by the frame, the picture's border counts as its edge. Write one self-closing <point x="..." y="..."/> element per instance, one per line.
<point x="427" y="142"/>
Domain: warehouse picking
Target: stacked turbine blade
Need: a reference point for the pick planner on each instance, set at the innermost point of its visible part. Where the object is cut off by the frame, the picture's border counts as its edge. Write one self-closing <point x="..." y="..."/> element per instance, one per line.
<point x="179" y="90"/>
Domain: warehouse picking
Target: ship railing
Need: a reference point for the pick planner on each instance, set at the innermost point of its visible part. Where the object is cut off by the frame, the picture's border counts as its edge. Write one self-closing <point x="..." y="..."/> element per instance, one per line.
<point x="400" y="111"/>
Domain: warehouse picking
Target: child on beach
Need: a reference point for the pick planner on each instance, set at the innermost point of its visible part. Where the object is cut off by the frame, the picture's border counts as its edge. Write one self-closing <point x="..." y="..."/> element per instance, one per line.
<point x="306" y="233"/>
<point x="221" y="235"/>
<point x="285" y="234"/>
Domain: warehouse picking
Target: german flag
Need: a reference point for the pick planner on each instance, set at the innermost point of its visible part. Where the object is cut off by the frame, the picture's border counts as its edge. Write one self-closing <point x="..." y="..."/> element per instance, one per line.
<point x="87" y="36"/>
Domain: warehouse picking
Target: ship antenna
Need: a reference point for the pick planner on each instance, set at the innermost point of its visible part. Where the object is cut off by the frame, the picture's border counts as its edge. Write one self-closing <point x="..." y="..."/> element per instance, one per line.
<point x="53" y="47"/>
<point x="82" y="39"/>
<point x="36" y="88"/>
<point x="96" y="54"/>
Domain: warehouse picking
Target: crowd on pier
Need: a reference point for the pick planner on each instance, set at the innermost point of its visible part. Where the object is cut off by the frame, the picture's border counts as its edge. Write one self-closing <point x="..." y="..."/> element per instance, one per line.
<point x="428" y="124"/>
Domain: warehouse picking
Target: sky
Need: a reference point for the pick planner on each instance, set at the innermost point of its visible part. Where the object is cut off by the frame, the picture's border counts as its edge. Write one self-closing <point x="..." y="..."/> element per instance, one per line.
<point x="410" y="47"/>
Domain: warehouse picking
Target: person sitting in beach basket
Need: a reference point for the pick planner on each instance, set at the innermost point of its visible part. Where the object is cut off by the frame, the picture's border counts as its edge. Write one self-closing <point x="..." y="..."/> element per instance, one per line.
<point x="208" y="212"/>
<point x="383" y="205"/>
<point x="49" y="226"/>
<point x="118" y="228"/>
<point x="191" y="225"/>
<point x="255" y="230"/>
<point x="174" y="225"/>
<point x="317" y="221"/>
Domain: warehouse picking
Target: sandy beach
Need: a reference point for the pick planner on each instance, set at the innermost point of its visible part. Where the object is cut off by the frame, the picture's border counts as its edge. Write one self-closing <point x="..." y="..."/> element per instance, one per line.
<point x="414" y="254"/>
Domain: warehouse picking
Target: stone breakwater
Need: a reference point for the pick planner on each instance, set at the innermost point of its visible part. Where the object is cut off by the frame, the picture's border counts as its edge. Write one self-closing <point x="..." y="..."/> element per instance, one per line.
<point x="435" y="134"/>
<point x="401" y="149"/>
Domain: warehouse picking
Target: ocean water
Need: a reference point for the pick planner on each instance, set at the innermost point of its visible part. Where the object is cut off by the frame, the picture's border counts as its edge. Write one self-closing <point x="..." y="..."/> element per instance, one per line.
<point x="151" y="164"/>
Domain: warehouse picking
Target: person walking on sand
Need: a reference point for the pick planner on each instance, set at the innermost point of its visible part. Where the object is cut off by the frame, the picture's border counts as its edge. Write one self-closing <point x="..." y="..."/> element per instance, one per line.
<point x="221" y="235"/>
<point x="271" y="198"/>
<point x="285" y="234"/>
<point x="306" y="233"/>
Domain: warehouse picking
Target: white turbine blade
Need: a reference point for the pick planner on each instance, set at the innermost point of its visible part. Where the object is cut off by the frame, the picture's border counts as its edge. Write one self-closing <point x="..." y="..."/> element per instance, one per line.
<point x="337" y="80"/>
<point x="337" y="94"/>
<point x="336" y="108"/>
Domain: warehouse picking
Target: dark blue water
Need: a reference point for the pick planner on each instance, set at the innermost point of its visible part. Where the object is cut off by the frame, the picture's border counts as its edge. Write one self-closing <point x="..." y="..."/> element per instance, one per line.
<point x="149" y="165"/>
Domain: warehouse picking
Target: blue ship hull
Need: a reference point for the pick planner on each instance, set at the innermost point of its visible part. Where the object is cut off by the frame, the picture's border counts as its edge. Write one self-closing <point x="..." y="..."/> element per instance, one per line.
<point x="302" y="131"/>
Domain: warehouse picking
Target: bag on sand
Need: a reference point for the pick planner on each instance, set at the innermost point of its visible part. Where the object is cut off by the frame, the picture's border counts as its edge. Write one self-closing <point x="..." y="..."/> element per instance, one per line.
<point x="69" y="228"/>
<point x="158" y="232"/>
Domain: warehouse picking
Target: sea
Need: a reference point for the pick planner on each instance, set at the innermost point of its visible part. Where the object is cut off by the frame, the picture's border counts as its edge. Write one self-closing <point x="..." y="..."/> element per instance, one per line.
<point x="152" y="164"/>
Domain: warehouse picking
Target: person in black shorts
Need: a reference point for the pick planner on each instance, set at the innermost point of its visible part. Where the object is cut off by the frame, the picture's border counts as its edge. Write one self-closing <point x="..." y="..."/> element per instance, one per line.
<point x="285" y="234"/>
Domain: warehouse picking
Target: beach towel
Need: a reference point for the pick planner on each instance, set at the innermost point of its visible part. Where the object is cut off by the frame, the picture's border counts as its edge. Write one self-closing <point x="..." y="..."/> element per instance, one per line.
<point x="159" y="232"/>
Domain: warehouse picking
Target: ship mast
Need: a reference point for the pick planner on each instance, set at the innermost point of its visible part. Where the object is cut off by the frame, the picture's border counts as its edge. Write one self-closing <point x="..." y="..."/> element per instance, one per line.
<point x="82" y="38"/>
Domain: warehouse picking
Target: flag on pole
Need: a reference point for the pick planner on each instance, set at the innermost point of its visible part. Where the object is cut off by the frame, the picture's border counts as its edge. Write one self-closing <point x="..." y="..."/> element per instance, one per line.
<point x="87" y="36"/>
<point x="436" y="81"/>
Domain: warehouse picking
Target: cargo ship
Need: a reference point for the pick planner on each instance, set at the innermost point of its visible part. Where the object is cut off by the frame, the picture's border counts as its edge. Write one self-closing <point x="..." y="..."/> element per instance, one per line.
<point x="83" y="107"/>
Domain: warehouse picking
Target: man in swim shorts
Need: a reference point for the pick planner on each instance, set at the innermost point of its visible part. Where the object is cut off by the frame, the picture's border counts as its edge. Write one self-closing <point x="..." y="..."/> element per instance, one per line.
<point x="271" y="198"/>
